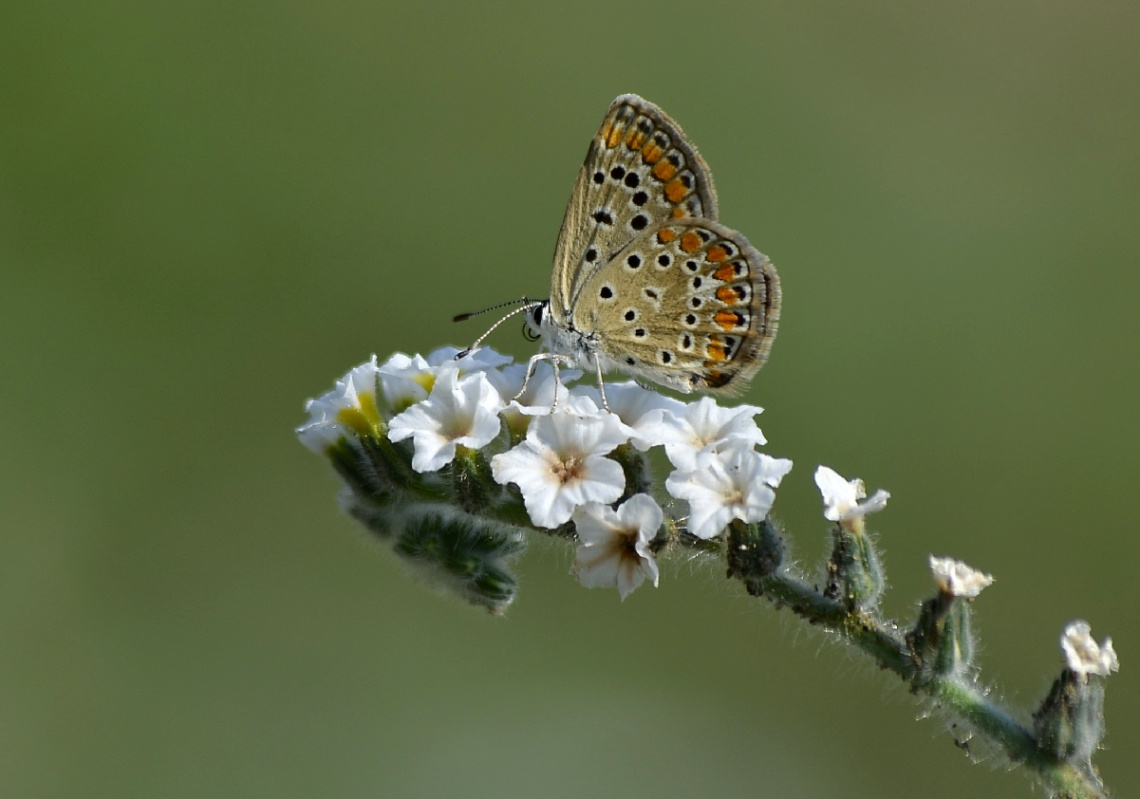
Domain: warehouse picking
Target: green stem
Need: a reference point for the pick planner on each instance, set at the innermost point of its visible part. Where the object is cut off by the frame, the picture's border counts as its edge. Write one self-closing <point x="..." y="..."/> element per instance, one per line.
<point x="888" y="648"/>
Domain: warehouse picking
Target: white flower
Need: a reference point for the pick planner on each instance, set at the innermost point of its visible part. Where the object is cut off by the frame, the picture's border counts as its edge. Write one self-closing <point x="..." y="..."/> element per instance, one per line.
<point x="1082" y="654"/>
<point x="459" y="411"/>
<point x="350" y="408"/>
<point x="703" y="428"/>
<point x="841" y="499"/>
<point x="561" y="464"/>
<point x="639" y="408"/>
<point x="736" y="483"/>
<point x="614" y="548"/>
<point x="955" y="578"/>
<point x="406" y="380"/>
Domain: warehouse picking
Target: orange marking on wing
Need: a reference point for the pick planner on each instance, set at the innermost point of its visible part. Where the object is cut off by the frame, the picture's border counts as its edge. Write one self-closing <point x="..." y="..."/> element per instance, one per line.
<point x="635" y="139"/>
<point x="679" y="213"/>
<point x="690" y="242"/>
<point x="651" y="153"/>
<point x="666" y="235"/>
<point x="664" y="170"/>
<point x="716" y="254"/>
<point x="727" y="319"/>
<point x="612" y="135"/>
<point x="675" y="190"/>
<point x="715" y="378"/>
<point x="724" y="273"/>
<point x="726" y="295"/>
<point x="716" y="349"/>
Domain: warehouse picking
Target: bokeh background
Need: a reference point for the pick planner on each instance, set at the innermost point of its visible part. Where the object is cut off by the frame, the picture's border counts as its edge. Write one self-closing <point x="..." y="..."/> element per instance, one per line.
<point x="210" y="211"/>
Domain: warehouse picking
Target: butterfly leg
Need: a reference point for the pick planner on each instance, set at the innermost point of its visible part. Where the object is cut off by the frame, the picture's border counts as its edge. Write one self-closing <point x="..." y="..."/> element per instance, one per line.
<point x="601" y="384"/>
<point x="554" y="359"/>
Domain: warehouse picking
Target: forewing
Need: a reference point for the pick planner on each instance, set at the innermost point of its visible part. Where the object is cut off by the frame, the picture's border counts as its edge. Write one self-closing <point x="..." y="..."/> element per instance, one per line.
<point x="639" y="171"/>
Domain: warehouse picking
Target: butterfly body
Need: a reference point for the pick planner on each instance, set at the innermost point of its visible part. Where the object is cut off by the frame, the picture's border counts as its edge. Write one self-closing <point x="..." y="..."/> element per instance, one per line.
<point x="645" y="280"/>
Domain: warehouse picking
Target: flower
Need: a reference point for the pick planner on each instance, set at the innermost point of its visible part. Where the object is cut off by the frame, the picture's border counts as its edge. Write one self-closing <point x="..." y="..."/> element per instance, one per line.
<point x="1083" y="656"/>
<point x="561" y="464"/>
<point x="840" y="499"/>
<point x="735" y="483"/>
<point x="696" y="431"/>
<point x="460" y="411"/>
<point x="407" y="380"/>
<point x="955" y="578"/>
<point x="639" y="408"/>
<point x="349" y="409"/>
<point x="614" y="548"/>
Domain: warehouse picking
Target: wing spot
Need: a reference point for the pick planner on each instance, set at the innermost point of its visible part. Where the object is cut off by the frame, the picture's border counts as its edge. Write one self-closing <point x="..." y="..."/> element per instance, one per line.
<point x="715" y="255"/>
<point x="640" y="332"/>
<point x="603" y="217"/>
<point x="666" y="235"/>
<point x="716" y="349"/>
<point x="633" y="261"/>
<point x="606" y="293"/>
<point x="617" y="173"/>
<point x="599" y="177"/>
<point x="664" y="260"/>
<point x="630" y="315"/>
<point x="691" y="320"/>
<point x="612" y="135"/>
<point x="592" y="254"/>
<point x="633" y="180"/>
<point x="665" y="356"/>
<point x="690" y="241"/>
<point x="639" y="222"/>
<point x="696" y="302"/>
<point x="664" y="170"/>
<point x="697" y="282"/>
<point x="692" y="266"/>
<point x="640" y="198"/>
<point x="730" y="320"/>
<point x="686" y="341"/>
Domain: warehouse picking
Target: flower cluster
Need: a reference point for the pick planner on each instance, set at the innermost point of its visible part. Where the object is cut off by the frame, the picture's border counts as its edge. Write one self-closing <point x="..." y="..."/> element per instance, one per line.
<point x="569" y="454"/>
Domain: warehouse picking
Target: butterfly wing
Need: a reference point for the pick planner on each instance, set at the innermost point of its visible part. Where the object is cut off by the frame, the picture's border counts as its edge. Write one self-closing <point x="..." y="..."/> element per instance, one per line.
<point x="639" y="171"/>
<point x="688" y="303"/>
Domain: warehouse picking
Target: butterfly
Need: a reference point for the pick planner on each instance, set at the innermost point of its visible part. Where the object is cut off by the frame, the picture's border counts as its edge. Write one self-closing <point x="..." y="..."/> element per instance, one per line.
<point x="646" y="281"/>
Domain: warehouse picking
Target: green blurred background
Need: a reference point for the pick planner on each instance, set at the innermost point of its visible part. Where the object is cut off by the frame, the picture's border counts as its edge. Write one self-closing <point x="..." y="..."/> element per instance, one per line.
<point x="210" y="211"/>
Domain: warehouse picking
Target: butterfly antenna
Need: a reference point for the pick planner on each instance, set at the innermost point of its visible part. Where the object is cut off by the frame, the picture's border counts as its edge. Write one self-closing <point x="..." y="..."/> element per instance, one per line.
<point x="474" y="346"/>
<point x="463" y="317"/>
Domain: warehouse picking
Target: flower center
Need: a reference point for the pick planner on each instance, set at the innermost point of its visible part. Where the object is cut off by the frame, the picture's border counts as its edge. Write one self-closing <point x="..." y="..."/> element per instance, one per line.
<point x="568" y="469"/>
